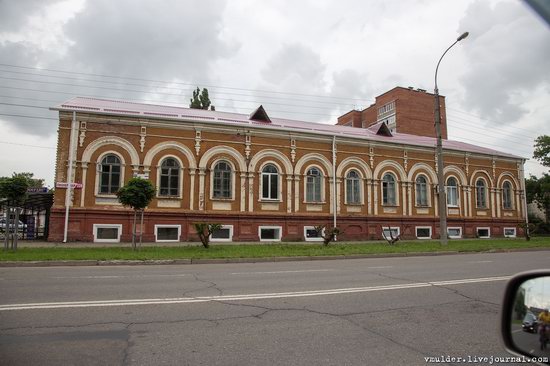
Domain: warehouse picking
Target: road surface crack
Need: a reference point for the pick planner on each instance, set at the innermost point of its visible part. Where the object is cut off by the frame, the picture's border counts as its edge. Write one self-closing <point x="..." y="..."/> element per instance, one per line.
<point x="210" y="285"/>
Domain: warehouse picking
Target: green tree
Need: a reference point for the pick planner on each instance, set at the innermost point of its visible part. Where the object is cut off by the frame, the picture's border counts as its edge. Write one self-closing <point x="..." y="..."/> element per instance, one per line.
<point x="14" y="191"/>
<point x="137" y="194"/>
<point x="204" y="231"/>
<point x="542" y="150"/>
<point x="201" y="100"/>
<point x="519" y="305"/>
<point x="538" y="190"/>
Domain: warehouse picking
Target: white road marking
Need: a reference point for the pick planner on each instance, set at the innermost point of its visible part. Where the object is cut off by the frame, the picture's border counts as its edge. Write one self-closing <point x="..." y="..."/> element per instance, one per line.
<point x="380" y="267"/>
<point x="477" y="262"/>
<point x="517" y="331"/>
<point x="276" y="272"/>
<point x="132" y="276"/>
<point x="276" y="295"/>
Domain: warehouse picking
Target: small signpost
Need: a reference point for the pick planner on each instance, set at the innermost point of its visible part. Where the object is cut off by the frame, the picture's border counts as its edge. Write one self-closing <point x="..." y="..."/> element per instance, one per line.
<point x="66" y="185"/>
<point x="38" y="190"/>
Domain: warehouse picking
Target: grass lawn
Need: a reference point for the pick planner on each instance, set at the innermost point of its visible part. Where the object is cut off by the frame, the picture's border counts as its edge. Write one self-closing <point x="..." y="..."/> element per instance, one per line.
<point x="217" y="251"/>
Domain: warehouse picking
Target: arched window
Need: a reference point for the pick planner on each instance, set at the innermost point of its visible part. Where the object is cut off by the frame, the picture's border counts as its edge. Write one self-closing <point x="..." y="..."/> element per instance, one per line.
<point x="507" y="202"/>
<point x="452" y="192"/>
<point x="313" y="185"/>
<point x="353" y="187"/>
<point x="222" y="180"/>
<point x="270" y="182"/>
<point x="481" y="194"/>
<point x="388" y="190"/>
<point x="169" y="177"/>
<point x="109" y="182"/>
<point x="421" y="191"/>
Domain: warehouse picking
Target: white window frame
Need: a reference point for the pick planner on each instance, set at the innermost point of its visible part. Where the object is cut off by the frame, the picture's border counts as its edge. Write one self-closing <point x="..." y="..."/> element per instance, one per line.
<point x="322" y="188"/>
<point x="457" y="192"/>
<point x="109" y="226"/>
<point x="167" y="226"/>
<point x="428" y="196"/>
<point x="361" y="194"/>
<point x="180" y="181"/>
<point x="279" y="183"/>
<point x="384" y="228"/>
<point x="483" y="228"/>
<point x="320" y="238"/>
<point x="512" y="206"/>
<point x="510" y="236"/>
<point x="485" y="193"/>
<point x="230" y="239"/>
<point x="423" y="227"/>
<point x="396" y="189"/>
<point x="233" y="175"/>
<point x="98" y="173"/>
<point x="455" y="228"/>
<point x="280" y="228"/>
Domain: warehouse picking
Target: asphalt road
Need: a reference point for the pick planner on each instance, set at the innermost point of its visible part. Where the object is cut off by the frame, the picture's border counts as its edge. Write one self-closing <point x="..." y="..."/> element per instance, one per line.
<point x="387" y="311"/>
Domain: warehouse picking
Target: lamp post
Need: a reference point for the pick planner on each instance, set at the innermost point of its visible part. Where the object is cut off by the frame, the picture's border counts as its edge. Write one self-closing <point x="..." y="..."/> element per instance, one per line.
<point x="440" y="176"/>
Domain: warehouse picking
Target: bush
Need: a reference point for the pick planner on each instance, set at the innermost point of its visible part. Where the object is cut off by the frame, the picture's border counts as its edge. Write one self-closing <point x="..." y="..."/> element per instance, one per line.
<point x="204" y="231"/>
<point x="329" y="233"/>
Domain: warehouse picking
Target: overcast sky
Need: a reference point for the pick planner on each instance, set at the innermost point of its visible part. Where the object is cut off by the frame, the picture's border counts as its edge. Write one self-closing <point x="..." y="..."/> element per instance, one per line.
<point x="305" y="60"/>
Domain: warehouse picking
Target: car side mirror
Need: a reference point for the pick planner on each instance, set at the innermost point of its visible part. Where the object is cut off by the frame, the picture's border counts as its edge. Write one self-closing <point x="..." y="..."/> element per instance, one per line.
<point x="525" y="326"/>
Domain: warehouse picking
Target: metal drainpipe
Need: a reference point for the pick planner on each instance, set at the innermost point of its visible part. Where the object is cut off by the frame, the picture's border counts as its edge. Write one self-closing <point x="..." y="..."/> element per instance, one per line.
<point x="334" y="202"/>
<point x="69" y="177"/>
<point x="522" y="185"/>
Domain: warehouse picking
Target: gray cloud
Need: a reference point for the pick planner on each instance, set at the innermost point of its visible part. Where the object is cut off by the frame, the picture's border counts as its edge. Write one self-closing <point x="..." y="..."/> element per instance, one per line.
<point x="299" y="68"/>
<point x="173" y="41"/>
<point x="14" y="15"/>
<point x="503" y="40"/>
<point x="295" y="67"/>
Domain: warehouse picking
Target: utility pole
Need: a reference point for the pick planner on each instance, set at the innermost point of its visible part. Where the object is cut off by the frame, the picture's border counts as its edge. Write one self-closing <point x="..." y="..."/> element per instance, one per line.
<point x="442" y="196"/>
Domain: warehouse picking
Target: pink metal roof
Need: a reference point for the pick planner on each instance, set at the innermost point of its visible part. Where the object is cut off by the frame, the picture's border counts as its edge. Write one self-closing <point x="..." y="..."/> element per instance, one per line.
<point x="127" y="108"/>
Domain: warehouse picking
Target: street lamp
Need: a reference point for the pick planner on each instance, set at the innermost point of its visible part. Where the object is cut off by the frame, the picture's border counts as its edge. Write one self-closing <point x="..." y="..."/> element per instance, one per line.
<point x="440" y="175"/>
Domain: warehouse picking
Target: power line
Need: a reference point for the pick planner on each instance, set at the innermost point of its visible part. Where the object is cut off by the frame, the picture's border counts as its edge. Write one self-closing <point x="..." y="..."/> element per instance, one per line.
<point x="515" y="142"/>
<point x="134" y="100"/>
<point x="158" y="93"/>
<point x="237" y="108"/>
<point x="25" y="116"/>
<point x="180" y="83"/>
<point x="473" y="123"/>
<point x="489" y="120"/>
<point x="27" y="145"/>
<point x="165" y="87"/>
<point x="473" y="140"/>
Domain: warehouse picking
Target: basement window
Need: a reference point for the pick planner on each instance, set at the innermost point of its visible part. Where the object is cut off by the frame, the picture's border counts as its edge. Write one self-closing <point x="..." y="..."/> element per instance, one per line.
<point x="310" y="234"/>
<point x="223" y="234"/>
<point x="389" y="232"/>
<point x="167" y="233"/>
<point x="454" y="232"/>
<point x="423" y="232"/>
<point x="107" y="233"/>
<point x="270" y="233"/>
<point x="509" y="232"/>
<point x="483" y="232"/>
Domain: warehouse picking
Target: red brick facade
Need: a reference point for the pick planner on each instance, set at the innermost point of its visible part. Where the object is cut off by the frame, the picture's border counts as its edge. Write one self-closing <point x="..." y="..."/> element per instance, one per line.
<point x="413" y="112"/>
<point x="379" y="182"/>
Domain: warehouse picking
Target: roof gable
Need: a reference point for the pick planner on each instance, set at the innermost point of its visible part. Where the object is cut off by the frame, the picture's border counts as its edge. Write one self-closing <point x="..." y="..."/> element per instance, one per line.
<point x="381" y="129"/>
<point x="259" y="115"/>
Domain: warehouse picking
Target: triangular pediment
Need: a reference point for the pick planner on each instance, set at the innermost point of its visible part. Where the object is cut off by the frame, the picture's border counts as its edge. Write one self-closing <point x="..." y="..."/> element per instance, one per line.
<point x="383" y="130"/>
<point x="260" y="115"/>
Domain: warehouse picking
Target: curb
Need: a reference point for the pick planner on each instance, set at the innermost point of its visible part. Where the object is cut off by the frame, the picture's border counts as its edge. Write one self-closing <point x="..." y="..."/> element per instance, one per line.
<point x="74" y="263"/>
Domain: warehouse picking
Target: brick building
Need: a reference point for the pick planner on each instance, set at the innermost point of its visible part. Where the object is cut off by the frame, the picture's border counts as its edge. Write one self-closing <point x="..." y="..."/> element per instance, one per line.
<point x="403" y="110"/>
<point x="273" y="179"/>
